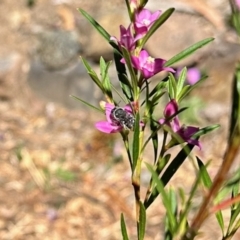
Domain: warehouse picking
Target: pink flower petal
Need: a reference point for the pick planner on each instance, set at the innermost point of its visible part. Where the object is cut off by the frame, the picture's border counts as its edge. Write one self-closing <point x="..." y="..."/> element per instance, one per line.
<point x="135" y="62"/>
<point x="128" y="108"/>
<point x="108" y="109"/>
<point x="107" y="127"/>
<point x="193" y="75"/>
<point x="155" y="16"/>
<point x="146" y="73"/>
<point x="171" y="108"/>
<point x="143" y="56"/>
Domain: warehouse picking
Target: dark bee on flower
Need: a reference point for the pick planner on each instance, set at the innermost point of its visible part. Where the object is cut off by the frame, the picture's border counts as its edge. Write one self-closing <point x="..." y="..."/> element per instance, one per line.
<point x="123" y="118"/>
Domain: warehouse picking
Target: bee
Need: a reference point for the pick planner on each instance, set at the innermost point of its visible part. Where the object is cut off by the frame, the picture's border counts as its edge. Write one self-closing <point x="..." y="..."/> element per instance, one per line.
<point x="123" y="118"/>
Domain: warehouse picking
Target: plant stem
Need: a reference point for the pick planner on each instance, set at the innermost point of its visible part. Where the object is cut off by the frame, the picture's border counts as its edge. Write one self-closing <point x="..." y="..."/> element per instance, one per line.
<point x="204" y="211"/>
<point x="136" y="177"/>
<point x="126" y="144"/>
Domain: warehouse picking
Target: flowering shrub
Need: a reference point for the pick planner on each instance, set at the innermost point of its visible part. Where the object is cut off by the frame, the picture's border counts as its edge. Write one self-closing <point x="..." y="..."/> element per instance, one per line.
<point x="135" y="68"/>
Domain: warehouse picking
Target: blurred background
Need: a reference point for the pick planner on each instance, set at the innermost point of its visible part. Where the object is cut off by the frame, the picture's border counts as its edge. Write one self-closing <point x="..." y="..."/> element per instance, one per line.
<point x="60" y="178"/>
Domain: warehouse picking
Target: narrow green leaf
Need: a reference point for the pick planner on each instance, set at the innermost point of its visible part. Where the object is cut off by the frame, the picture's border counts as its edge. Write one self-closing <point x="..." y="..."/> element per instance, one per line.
<point x="161" y="164"/>
<point x="100" y="29"/>
<point x="159" y="87"/>
<point x="206" y="130"/>
<point x="188" y="51"/>
<point x="188" y="88"/>
<point x="97" y="81"/>
<point x="95" y="24"/>
<point x="169" y="232"/>
<point x="136" y="141"/>
<point x="163" y="17"/>
<point x="134" y="80"/>
<point x="105" y="78"/>
<point x="208" y="183"/>
<point x="233" y="218"/>
<point x="123" y="228"/>
<point x="92" y="74"/>
<point x="166" y="200"/>
<point x="170" y="171"/>
<point x="229" y="185"/>
<point x="235" y="19"/>
<point x="143" y="3"/>
<point x="173" y="201"/>
<point x="102" y="67"/>
<point x="153" y="127"/>
<point x="182" y="195"/>
<point x="172" y="86"/>
<point x="157" y="90"/>
<point x="176" y="163"/>
<point x="88" y="104"/>
<point x="124" y="82"/>
<point x="142" y="222"/>
<point x="86" y="65"/>
<point x="235" y="190"/>
<point x="119" y="94"/>
<point x="235" y="113"/>
<point x="188" y="205"/>
<point x="237" y="224"/>
<point x="235" y="178"/>
<point x="129" y="9"/>
<point x="156" y="98"/>
<point x="181" y="80"/>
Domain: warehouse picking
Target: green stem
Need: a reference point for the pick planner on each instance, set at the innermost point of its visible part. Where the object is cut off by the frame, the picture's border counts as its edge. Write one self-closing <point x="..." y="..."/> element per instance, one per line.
<point x="204" y="212"/>
<point x="163" y="149"/>
<point x="160" y="164"/>
<point x="136" y="177"/>
<point x="137" y="187"/>
<point x="126" y="144"/>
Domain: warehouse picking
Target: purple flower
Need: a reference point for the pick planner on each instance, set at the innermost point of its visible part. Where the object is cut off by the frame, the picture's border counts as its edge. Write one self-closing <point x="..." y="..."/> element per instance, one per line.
<point x="111" y="126"/>
<point x="185" y="132"/>
<point x="148" y="65"/>
<point x="193" y="75"/>
<point x="238" y="3"/>
<point x="144" y="19"/>
<point x="126" y="38"/>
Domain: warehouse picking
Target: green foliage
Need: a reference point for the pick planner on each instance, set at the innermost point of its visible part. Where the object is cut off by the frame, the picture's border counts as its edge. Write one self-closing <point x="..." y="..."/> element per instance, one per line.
<point x="142" y="222"/>
<point x="144" y="101"/>
<point x="123" y="228"/>
<point x="166" y="198"/>
<point x="87" y="104"/>
<point x="207" y="182"/>
<point x="105" y="79"/>
<point x="65" y="175"/>
<point x="123" y="78"/>
<point x="136" y="142"/>
<point x="188" y="51"/>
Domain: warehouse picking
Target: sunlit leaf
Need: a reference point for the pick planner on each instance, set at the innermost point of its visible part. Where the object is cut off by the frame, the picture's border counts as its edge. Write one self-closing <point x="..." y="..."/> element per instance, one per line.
<point x="165" y="198"/>
<point x="208" y="183"/>
<point x="87" y="104"/>
<point x="136" y="141"/>
<point x="185" y="53"/>
<point x="181" y="80"/>
<point x="123" y="228"/>
<point x="105" y="78"/>
<point x="188" y="88"/>
<point x="142" y="222"/>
